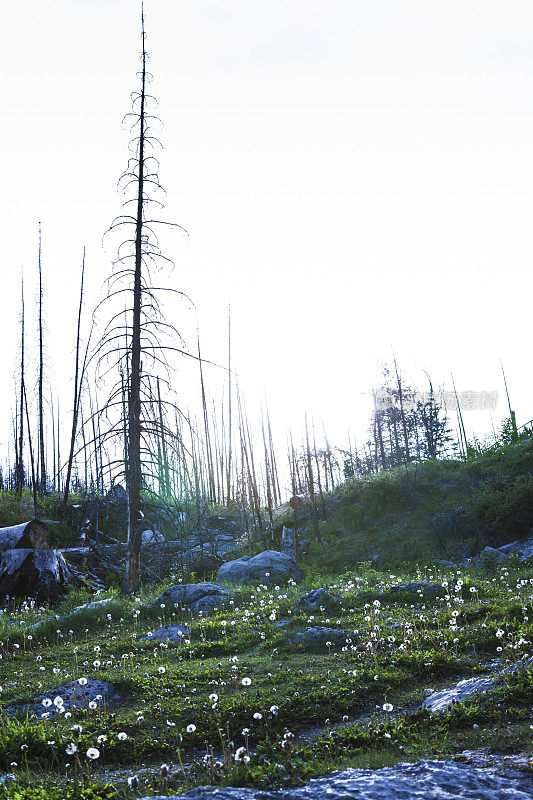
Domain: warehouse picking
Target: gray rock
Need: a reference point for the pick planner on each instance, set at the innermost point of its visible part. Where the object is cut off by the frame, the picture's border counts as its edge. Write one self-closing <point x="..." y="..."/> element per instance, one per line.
<point x="526" y="551"/>
<point x="39" y="574"/>
<point x="317" y="638"/>
<point x="152" y="538"/>
<point x="74" y="696"/>
<point x="172" y="633"/>
<point x="464" y="690"/>
<point x="424" y="780"/>
<point x="316" y="599"/>
<point x="198" y="598"/>
<point x="492" y="554"/>
<point x="417" y="588"/>
<point x="512" y="547"/>
<point x="117" y="494"/>
<point x="271" y="566"/>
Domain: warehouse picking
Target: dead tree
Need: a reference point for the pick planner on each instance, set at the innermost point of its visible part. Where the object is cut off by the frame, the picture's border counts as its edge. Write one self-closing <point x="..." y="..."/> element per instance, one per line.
<point x="42" y="454"/>
<point x="19" y="448"/>
<point x="77" y="389"/>
<point x="136" y="340"/>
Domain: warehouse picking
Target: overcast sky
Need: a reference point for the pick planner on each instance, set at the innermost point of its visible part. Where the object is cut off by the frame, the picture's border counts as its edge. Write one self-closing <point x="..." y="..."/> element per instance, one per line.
<point x="354" y="177"/>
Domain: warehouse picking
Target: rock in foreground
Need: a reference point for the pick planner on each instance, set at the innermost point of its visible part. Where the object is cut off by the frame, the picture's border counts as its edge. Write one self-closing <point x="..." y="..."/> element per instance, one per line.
<point x="74" y="696"/>
<point x="464" y="690"/>
<point x="318" y="598"/>
<point x="425" y="780"/>
<point x="323" y="638"/>
<point x="271" y="567"/>
<point x="170" y="633"/>
<point x="197" y="598"/>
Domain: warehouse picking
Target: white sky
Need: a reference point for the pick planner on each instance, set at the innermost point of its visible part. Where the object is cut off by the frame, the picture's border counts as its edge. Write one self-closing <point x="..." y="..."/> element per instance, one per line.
<point x="354" y="176"/>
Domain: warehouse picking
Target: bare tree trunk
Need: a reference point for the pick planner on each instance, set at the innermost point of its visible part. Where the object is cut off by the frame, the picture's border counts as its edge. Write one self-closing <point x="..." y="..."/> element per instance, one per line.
<point x="228" y="475"/>
<point x="33" y="475"/>
<point x="311" y="485"/>
<point x="209" y="452"/>
<point x="77" y="388"/>
<point x="511" y="412"/>
<point x="402" y="411"/>
<point x="133" y="576"/>
<point x="19" y="455"/>
<point x="42" y="457"/>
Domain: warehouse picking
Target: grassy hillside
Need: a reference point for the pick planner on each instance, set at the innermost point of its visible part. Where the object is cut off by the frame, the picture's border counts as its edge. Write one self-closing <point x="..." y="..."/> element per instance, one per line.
<point x="239" y="702"/>
<point x="429" y="510"/>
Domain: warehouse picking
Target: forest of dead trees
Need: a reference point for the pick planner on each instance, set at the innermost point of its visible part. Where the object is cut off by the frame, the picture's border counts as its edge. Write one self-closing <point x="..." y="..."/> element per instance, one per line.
<point x="125" y="425"/>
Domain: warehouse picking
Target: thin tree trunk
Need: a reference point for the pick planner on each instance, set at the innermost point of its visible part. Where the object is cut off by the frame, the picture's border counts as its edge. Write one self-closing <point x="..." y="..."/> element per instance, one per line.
<point x="19" y="462"/>
<point x="133" y="575"/>
<point x="77" y="388"/>
<point x="228" y="475"/>
<point x="42" y="460"/>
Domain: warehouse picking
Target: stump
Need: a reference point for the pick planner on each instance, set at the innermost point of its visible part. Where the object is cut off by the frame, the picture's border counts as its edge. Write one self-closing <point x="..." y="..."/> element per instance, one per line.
<point x="32" y="535"/>
<point x="38" y="574"/>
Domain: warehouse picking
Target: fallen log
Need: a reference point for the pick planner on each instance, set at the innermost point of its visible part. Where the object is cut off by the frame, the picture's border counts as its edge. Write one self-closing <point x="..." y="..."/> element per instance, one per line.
<point x="32" y="535"/>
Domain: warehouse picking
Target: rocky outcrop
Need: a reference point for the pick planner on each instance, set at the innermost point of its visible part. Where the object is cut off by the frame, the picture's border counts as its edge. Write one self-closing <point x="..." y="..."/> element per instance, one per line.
<point x="322" y="638"/>
<point x="421" y="589"/>
<point x="170" y="633"/>
<point x="197" y="598"/>
<point x="464" y="690"/>
<point x="76" y="695"/>
<point x="316" y="600"/>
<point x="270" y="567"/>
<point x="423" y="780"/>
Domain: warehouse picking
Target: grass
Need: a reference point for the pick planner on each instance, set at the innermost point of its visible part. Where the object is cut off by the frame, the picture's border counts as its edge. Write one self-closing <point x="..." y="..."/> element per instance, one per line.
<point x="400" y="645"/>
<point x="239" y="703"/>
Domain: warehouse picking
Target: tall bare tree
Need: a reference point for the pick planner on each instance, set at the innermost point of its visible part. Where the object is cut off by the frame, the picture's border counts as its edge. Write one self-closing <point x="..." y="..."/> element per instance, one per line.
<point x="133" y="340"/>
<point x="42" y="454"/>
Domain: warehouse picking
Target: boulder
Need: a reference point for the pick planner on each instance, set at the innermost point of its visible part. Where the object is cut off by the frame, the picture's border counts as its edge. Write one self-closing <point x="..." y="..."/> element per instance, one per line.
<point x="317" y="638"/>
<point x="74" y="696"/>
<point x="32" y="535"/>
<point x="318" y="598"/>
<point x="198" y="598"/>
<point x="441" y="701"/>
<point x="171" y="633"/>
<point x="510" y="548"/>
<point x="39" y="574"/>
<point x="492" y="554"/>
<point x="271" y="566"/>
<point x="151" y="538"/>
<point x="526" y="551"/>
<point x="464" y="690"/>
